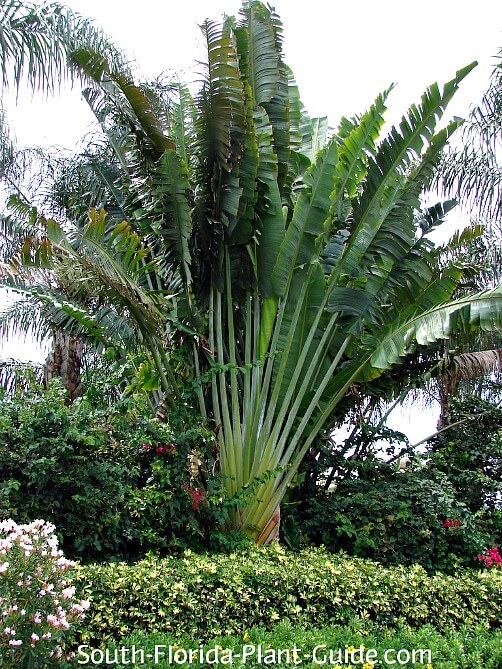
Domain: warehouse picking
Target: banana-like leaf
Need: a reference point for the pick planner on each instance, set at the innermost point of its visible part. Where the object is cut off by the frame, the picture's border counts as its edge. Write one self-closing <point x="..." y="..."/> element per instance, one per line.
<point x="299" y="245"/>
<point x="221" y="101"/>
<point x="482" y="311"/>
<point x="241" y="229"/>
<point x="184" y="123"/>
<point x="386" y="170"/>
<point x="270" y="218"/>
<point x="261" y="61"/>
<point x="172" y="221"/>
<point x="96" y="67"/>
<point x="352" y="164"/>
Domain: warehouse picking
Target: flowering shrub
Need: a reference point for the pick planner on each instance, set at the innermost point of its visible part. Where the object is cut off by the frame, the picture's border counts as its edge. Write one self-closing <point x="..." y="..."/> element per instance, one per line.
<point x="36" y="603"/>
<point x="196" y="496"/>
<point x="108" y="476"/>
<point x="492" y="557"/>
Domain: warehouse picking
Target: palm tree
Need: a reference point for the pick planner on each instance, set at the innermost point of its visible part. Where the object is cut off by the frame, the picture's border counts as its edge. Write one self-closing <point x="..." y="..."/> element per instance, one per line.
<point x="37" y="39"/>
<point x="34" y="47"/>
<point x="296" y="265"/>
<point x="473" y="172"/>
<point x="66" y="186"/>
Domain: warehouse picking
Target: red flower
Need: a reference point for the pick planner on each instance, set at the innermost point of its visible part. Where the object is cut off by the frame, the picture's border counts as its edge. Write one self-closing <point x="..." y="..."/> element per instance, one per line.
<point x="197" y="496"/>
<point x="452" y="522"/>
<point x="164" y="448"/>
<point x="147" y="447"/>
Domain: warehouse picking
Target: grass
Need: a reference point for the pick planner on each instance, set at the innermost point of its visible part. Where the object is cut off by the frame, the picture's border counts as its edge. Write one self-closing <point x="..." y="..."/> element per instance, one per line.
<point x="465" y="648"/>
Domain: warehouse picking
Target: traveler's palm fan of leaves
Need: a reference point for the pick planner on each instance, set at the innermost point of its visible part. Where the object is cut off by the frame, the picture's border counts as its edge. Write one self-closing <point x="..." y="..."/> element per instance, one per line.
<point x="301" y="259"/>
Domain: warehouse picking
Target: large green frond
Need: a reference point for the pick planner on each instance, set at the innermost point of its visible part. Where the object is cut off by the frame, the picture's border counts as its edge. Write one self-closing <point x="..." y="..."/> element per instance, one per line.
<point x="482" y="311"/>
<point x="300" y="243"/>
<point x="386" y="176"/>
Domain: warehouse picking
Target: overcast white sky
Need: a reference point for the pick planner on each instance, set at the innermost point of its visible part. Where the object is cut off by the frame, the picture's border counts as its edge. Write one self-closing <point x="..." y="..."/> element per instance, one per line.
<point x="342" y="53"/>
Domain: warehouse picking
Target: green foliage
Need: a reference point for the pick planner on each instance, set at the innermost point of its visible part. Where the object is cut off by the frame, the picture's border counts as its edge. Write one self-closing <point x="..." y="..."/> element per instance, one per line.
<point x="113" y="480"/>
<point x="208" y="595"/>
<point x="393" y="509"/>
<point x="466" y="648"/>
<point x="396" y="517"/>
<point x="470" y="454"/>
<point x="290" y="277"/>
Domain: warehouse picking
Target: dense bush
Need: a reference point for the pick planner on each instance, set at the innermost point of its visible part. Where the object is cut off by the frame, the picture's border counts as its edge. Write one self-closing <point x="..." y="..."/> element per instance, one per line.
<point x="111" y="479"/>
<point x="37" y="606"/>
<point x="467" y="648"/>
<point x="369" y="507"/>
<point x="208" y="595"/>
<point x="398" y="517"/>
<point x="470" y="454"/>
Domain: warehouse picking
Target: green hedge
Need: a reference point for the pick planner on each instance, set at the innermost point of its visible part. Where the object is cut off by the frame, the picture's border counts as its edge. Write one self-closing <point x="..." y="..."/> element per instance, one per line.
<point x="214" y="594"/>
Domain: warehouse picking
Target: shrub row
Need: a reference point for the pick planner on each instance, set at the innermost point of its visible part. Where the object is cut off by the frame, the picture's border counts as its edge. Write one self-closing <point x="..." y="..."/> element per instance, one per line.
<point x="215" y="594"/>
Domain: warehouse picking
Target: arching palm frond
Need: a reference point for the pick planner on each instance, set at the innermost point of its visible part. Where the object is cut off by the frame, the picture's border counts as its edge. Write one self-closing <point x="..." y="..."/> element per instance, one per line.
<point x="16" y="375"/>
<point x="36" y="41"/>
<point x="473" y="172"/>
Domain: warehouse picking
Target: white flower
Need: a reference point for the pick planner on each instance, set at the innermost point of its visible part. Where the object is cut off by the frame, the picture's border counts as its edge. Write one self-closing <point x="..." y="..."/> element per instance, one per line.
<point x="68" y="592"/>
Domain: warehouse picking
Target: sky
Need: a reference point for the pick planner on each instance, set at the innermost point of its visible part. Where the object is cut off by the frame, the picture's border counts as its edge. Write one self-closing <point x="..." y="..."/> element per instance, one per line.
<point x="342" y="54"/>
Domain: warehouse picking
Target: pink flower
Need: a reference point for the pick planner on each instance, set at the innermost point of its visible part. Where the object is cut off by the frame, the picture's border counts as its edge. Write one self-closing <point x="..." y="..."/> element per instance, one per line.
<point x="68" y="592"/>
<point x="492" y="557"/>
<point x="15" y="642"/>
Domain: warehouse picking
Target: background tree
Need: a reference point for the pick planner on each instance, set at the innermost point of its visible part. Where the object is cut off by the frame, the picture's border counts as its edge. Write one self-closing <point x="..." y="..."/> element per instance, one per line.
<point x="35" y="44"/>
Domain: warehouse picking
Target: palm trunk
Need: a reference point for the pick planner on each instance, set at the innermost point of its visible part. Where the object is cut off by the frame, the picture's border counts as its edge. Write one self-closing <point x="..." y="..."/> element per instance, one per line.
<point x="65" y="361"/>
<point x="448" y="388"/>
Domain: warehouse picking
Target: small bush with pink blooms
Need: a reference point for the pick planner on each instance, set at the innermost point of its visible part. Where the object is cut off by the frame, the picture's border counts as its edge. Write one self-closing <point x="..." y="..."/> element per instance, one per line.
<point x="37" y="604"/>
<point x="491" y="557"/>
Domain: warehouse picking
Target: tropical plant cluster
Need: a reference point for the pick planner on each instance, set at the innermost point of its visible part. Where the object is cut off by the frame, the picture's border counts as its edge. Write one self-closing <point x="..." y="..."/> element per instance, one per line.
<point x="218" y="594"/>
<point x="225" y="281"/>
<point x="116" y="482"/>
<point x="291" y="263"/>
